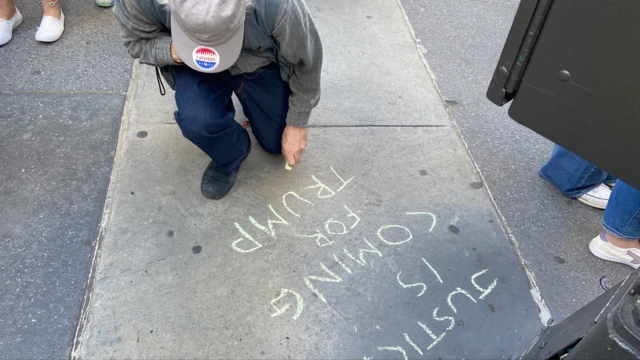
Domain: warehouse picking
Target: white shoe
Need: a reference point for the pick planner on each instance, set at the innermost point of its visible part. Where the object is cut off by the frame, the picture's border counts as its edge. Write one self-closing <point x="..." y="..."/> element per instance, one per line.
<point x="50" y="28"/>
<point x="603" y="249"/>
<point x="7" y="27"/>
<point x="105" y="3"/>
<point x="597" y="198"/>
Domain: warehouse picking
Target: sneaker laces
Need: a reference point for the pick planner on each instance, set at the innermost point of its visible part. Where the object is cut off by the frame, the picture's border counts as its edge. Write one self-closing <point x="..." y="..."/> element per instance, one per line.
<point x="602" y="192"/>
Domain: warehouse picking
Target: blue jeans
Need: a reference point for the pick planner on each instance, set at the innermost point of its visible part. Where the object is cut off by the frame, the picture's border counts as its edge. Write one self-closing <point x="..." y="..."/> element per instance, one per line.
<point x="622" y="216"/>
<point x="575" y="177"/>
<point x="571" y="174"/>
<point x="206" y="113"/>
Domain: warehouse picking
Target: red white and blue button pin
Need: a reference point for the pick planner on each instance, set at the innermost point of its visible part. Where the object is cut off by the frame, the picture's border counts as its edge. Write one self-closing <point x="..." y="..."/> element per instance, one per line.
<point x="206" y="58"/>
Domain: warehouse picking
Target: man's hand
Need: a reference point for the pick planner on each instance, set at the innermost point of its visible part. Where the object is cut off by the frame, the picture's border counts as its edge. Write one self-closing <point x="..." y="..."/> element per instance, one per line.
<point x="294" y="140"/>
<point x="175" y="56"/>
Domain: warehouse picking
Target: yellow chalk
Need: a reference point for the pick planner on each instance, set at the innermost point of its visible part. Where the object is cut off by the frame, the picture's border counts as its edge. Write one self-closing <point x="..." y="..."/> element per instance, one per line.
<point x="287" y="166"/>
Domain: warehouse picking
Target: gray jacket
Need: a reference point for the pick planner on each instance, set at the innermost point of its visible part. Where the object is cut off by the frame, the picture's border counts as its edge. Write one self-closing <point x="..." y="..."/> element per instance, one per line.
<point x="145" y="28"/>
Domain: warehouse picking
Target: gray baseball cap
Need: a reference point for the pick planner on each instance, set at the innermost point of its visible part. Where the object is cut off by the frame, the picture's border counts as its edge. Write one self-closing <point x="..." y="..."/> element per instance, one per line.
<point x="208" y="34"/>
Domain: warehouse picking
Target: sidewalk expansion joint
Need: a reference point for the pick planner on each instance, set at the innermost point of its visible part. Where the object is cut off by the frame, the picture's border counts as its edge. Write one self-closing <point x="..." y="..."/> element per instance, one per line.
<point x="378" y="126"/>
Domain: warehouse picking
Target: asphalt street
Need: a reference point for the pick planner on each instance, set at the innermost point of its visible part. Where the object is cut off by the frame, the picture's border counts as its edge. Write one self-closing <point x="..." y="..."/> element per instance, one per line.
<point x="60" y="110"/>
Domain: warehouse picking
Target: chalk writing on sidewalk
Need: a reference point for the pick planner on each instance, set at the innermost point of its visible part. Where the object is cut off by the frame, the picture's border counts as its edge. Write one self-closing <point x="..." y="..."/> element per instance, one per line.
<point x="247" y="243"/>
<point x="362" y="252"/>
<point x="457" y="296"/>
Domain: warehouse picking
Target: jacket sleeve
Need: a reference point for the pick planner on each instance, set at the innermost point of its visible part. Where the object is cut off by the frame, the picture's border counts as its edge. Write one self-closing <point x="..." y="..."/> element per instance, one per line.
<point x="143" y="39"/>
<point x="300" y="46"/>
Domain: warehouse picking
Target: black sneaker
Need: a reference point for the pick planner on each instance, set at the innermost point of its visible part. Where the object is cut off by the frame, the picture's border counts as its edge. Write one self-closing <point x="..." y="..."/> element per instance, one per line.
<point x="215" y="185"/>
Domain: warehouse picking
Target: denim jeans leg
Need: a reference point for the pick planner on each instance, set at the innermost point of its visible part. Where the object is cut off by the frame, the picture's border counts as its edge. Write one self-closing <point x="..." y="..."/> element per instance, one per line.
<point x="610" y="180"/>
<point x="622" y="216"/>
<point x="206" y="116"/>
<point x="571" y="174"/>
<point x="265" y="100"/>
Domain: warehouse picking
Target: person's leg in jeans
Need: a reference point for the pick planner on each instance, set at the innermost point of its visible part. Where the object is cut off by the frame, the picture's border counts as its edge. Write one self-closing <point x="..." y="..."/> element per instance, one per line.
<point x="577" y="178"/>
<point x="206" y="117"/>
<point x="621" y="222"/>
<point x="265" y="100"/>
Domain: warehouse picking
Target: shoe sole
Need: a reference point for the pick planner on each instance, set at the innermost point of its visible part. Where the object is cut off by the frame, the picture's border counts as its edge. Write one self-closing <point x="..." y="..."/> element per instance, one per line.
<point x="593" y="204"/>
<point x="208" y="196"/>
<point x="595" y="251"/>
<point x="48" y="41"/>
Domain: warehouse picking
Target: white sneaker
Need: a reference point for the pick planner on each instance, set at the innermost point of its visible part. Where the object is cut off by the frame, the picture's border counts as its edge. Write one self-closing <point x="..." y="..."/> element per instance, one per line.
<point x="7" y="27"/>
<point x="603" y="249"/>
<point x="597" y="198"/>
<point x="50" y="28"/>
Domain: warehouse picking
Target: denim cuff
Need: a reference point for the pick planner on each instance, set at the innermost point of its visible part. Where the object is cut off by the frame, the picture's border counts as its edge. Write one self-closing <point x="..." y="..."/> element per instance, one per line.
<point x="572" y="196"/>
<point x="623" y="234"/>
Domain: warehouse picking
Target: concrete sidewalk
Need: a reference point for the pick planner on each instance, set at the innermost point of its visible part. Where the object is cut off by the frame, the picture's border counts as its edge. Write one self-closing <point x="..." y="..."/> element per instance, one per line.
<point x="383" y="244"/>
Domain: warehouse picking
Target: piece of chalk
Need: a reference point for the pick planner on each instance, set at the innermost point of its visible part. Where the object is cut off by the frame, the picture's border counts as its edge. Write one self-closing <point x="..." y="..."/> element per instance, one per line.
<point x="286" y="166"/>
